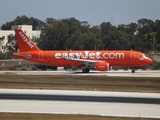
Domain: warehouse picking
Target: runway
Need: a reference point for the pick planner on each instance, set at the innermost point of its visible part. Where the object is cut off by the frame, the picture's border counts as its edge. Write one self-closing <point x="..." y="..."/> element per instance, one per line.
<point x="124" y="104"/>
<point x="138" y="73"/>
<point x="80" y="96"/>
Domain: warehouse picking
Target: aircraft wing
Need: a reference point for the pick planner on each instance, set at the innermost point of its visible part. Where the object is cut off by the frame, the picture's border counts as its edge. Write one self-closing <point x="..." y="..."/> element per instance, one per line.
<point x="85" y="61"/>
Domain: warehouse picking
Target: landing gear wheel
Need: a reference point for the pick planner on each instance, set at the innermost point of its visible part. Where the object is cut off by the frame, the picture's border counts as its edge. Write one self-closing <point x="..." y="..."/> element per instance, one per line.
<point x="133" y="70"/>
<point x="85" y="70"/>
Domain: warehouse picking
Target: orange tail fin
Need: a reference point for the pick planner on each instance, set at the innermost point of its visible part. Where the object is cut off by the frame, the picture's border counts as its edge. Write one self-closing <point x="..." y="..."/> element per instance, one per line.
<point x="24" y="42"/>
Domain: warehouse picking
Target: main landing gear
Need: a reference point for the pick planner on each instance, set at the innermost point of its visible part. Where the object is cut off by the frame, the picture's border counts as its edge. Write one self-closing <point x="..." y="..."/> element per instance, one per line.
<point x="85" y="70"/>
<point x="133" y="70"/>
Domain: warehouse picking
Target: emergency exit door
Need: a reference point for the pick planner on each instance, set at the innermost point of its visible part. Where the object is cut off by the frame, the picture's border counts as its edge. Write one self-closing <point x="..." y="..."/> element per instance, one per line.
<point x="132" y="56"/>
<point x="40" y="56"/>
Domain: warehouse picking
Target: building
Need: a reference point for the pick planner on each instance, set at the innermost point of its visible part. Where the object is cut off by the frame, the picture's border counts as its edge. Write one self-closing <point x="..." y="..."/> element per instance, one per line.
<point x="26" y="28"/>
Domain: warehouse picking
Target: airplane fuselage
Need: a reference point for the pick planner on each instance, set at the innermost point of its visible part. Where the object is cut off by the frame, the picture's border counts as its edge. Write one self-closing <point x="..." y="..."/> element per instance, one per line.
<point x="97" y="59"/>
<point x="65" y="58"/>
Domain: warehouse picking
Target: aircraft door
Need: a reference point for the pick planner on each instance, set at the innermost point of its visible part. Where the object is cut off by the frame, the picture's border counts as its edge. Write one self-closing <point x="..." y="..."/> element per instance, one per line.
<point x="132" y="56"/>
<point x="40" y="56"/>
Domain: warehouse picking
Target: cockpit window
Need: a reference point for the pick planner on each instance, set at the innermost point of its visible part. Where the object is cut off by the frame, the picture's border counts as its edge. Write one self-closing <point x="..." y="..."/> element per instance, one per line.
<point x="144" y="56"/>
<point x="141" y="56"/>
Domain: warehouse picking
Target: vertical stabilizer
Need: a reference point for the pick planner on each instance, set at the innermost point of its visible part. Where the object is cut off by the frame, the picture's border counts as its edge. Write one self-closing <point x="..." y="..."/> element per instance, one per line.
<point x="24" y="42"/>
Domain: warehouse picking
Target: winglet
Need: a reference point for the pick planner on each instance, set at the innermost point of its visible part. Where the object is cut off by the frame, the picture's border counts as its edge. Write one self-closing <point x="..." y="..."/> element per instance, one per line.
<point x="24" y="42"/>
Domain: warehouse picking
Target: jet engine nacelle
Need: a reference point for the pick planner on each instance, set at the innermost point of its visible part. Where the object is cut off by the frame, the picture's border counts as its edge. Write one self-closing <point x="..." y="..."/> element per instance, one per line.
<point x="102" y="66"/>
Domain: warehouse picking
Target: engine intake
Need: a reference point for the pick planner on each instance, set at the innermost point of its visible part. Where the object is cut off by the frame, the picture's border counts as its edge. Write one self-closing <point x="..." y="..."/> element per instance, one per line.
<point x="102" y="66"/>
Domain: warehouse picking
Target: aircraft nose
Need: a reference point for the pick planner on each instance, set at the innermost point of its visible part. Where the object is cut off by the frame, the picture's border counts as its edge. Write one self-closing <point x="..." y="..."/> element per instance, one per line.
<point x="148" y="60"/>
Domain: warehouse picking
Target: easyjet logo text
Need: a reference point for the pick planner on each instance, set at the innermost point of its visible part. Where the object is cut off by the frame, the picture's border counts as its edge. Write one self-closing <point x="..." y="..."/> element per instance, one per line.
<point x="26" y="40"/>
<point x="91" y="55"/>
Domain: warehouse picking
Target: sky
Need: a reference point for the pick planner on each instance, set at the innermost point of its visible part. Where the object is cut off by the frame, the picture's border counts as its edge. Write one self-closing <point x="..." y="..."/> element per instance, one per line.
<point x="94" y="12"/>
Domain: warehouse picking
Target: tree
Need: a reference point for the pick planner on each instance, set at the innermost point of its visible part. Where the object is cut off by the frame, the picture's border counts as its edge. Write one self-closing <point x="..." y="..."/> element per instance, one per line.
<point x="11" y="45"/>
<point x="24" y="20"/>
<point x="73" y="34"/>
<point x="145" y="26"/>
<point x="106" y="30"/>
<point x="74" y="40"/>
<point x="157" y="30"/>
<point x="98" y="37"/>
<point x="53" y="37"/>
<point x="50" y="21"/>
<point x="150" y="40"/>
<point x="1" y="40"/>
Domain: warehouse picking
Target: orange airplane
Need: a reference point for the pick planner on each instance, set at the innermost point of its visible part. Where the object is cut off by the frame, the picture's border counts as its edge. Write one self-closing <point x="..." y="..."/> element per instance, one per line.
<point x="94" y="59"/>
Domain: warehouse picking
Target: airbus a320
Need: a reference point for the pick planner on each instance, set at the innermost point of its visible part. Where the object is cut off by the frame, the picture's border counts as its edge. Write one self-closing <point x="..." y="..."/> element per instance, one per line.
<point x="100" y="60"/>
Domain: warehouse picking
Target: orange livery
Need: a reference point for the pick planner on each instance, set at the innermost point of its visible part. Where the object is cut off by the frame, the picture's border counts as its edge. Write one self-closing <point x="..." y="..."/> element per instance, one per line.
<point x="94" y="59"/>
